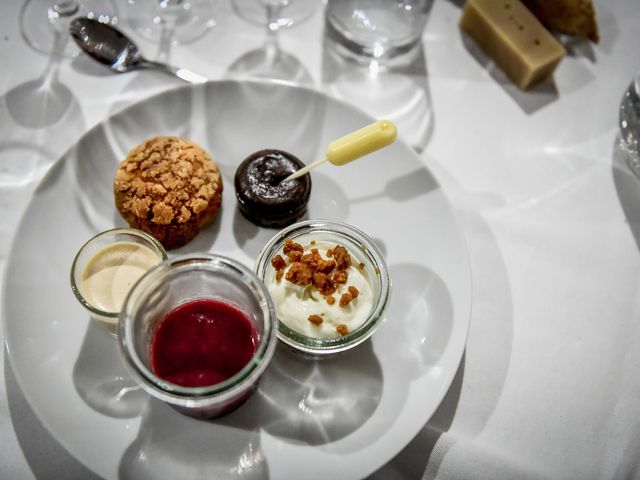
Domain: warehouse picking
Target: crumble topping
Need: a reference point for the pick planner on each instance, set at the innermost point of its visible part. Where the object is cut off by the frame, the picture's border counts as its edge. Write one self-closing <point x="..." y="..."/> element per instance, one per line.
<point x="167" y="180"/>
<point x="325" y="275"/>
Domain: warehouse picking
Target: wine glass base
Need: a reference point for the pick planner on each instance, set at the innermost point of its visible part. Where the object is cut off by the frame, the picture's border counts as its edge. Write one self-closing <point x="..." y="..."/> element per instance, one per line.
<point x="176" y="21"/>
<point x="291" y="12"/>
<point x="46" y="31"/>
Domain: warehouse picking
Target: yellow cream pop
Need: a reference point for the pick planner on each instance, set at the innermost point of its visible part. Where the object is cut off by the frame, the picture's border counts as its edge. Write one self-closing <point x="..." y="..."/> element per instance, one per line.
<point x="355" y="145"/>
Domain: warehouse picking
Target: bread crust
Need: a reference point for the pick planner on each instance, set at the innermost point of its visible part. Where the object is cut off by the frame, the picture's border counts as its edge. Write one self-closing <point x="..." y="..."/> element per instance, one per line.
<point x="574" y="17"/>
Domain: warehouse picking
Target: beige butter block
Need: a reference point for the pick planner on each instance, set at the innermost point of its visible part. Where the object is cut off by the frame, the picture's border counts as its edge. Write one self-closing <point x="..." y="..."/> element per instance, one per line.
<point x="514" y="38"/>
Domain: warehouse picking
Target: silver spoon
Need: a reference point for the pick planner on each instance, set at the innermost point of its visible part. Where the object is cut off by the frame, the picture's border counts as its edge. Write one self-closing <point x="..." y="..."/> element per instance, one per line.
<point x="112" y="48"/>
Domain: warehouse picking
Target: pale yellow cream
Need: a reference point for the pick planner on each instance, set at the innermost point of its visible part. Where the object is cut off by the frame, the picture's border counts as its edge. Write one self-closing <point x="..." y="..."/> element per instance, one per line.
<point x="112" y="271"/>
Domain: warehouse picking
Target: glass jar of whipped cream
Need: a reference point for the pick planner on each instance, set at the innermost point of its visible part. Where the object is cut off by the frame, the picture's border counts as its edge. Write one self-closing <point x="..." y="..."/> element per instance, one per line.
<point x="329" y="284"/>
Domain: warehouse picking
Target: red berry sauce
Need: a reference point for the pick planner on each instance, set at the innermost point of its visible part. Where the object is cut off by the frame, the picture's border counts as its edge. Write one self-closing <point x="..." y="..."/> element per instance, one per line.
<point x="202" y="342"/>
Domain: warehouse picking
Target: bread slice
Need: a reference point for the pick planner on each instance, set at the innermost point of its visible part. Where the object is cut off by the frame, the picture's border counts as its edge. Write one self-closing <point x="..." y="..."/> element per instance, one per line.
<point x="574" y="17"/>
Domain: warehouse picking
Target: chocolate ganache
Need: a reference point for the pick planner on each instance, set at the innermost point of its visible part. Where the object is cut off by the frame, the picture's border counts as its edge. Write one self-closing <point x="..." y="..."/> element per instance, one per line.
<point x="263" y="197"/>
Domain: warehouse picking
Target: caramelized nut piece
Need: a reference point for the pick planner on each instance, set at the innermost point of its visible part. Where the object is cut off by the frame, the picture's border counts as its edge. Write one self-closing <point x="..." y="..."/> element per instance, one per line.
<point x="342" y="329"/>
<point x="299" y="273"/>
<point x="345" y="299"/>
<point x="315" y="319"/>
<point x="278" y="262"/>
<point x="342" y="257"/>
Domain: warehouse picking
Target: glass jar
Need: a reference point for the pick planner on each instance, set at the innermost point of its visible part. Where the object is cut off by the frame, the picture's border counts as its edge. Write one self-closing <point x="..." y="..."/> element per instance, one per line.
<point x="186" y="279"/>
<point x="364" y="253"/>
<point x="134" y="262"/>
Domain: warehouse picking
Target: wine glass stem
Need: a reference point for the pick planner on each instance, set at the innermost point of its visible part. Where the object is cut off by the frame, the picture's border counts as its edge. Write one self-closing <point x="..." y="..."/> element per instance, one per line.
<point x="273" y="13"/>
<point x="65" y="8"/>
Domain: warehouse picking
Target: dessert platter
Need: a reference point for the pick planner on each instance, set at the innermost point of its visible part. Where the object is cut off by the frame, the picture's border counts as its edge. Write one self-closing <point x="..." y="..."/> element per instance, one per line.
<point x="190" y="187"/>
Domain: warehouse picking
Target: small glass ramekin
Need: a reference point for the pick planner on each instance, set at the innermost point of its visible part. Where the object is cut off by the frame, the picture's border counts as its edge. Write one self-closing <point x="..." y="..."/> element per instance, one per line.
<point x="107" y="319"/>
<point x="365" y="251"/>
<point x="174" y="283"/>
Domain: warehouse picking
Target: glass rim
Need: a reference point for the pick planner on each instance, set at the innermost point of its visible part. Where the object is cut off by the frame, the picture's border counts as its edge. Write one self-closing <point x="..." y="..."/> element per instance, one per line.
<point x="155" y="244"/>
<point x="193" y="396"/>
<point x="325" y="346"/>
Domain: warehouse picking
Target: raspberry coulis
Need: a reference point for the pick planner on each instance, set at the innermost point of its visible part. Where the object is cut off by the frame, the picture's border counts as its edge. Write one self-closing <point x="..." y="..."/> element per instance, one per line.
<point x="202" y="342"/>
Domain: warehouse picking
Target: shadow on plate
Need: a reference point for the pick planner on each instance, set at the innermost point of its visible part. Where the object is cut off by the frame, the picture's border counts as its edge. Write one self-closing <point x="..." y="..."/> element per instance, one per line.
<point x="412" y="461"/>
<point x="399" y="93"/>
<point x="405" y="187"/>
<point x="44" y="454"/>
<point x="171" y="445"/>
<point x="419" y="317"/>
<point x="318" y="401"/>
<point x="299" y="400"/>
<point x="95" y="158"/>
<point x="484" y="365"/>
<point x="291" y="118"/>
<point x="102" y="380"/>
<point x="22" y="162"/>
<point x="250" y="237"/>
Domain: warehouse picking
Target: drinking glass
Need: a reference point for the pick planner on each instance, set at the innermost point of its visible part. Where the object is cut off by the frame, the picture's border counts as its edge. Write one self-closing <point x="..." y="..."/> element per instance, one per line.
<point x="629" y="119"/>
<point x="376" y="29"/>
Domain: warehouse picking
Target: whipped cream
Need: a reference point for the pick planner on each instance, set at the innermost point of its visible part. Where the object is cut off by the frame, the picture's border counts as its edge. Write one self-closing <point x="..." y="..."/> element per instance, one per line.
<point x="295" y="303"/>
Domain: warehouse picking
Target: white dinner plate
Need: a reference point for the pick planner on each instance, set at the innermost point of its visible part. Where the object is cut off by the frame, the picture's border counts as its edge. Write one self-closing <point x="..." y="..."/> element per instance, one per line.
<point x="339" y="418"/>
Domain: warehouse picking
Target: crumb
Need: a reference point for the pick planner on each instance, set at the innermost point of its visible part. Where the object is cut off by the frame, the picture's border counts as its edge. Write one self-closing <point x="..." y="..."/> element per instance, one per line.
<point x="278" y="262"/>
<point x="290" y="245"/>
<point x="342" y="329"/>
<point x="340" y="276"/>
<point x="299" y="273"/>
<point x="342" y="257"/>
<point x="361" y="266"/>
<point x="345" y="299"/>
<point x="325" y="275"/>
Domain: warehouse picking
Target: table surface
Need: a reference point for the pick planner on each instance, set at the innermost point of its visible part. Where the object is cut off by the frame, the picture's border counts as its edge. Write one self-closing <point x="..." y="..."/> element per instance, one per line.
<point x="548" y="385"/>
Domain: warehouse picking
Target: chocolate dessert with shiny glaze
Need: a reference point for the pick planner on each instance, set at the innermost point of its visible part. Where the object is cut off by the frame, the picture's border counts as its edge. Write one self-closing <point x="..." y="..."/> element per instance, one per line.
<point x="263" y="197"/>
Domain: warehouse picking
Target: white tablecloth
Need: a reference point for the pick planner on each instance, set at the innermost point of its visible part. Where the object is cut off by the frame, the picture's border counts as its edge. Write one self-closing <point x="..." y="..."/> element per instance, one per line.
<point x="548" y="386"/>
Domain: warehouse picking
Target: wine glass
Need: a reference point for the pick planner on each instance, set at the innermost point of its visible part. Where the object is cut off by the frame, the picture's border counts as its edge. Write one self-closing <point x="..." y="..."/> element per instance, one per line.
<point x="178" y="21"/>
<point x="277" y="13"/>
<point x="45" y="23"/>
<point x="270" y="61"/>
